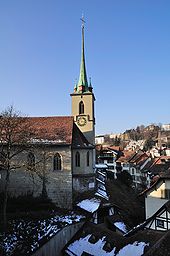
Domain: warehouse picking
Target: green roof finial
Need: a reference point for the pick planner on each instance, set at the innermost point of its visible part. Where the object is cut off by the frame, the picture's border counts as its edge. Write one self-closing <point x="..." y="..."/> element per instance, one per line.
<point x="82" y="83"/>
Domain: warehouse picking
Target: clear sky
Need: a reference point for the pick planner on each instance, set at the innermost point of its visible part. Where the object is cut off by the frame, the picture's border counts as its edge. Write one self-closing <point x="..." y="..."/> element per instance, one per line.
<point x="127" y="47"/>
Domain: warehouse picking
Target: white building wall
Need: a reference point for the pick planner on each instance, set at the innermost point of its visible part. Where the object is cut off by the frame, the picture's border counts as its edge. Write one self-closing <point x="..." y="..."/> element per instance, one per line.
<point x="152" y="205"/>
<point x="167" y="151"/>
<point x="99" y="140"/>
<point x="154" y="201"/>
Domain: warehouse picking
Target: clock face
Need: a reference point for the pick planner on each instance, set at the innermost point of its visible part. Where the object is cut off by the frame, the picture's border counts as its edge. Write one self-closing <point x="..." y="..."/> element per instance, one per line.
<point x="81" y="121"/>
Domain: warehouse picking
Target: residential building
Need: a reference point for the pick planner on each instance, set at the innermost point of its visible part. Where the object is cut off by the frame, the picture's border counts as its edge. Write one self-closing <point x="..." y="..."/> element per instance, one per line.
<point x="157" y="195"/>
<point x="165" y="127"/>
<point x="99" y="139"/>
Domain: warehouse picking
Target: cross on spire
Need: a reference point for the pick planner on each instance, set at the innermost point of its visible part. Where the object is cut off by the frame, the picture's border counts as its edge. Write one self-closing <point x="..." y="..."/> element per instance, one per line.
<point x="83" y="21"/>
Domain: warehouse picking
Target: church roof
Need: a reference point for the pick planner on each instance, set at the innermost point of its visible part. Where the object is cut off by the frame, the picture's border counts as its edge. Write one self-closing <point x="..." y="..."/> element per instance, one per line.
<point x="55" y="129"/>
<point x="79" y="140"/>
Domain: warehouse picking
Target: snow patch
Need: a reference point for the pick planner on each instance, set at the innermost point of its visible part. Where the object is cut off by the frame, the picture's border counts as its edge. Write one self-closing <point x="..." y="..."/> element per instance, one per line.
<point x="96" y="249"/>
<point x="83" y="245"/>
<point x="120" y="225"/>
<point x="102" y="193"/>
<point x="90" y="205"/>
<point x="135" y="249"/>
<point x="101" y="166"/>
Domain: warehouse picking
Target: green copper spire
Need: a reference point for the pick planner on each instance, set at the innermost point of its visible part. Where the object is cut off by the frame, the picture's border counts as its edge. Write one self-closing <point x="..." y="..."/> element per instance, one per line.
<point x="82" y="85"/>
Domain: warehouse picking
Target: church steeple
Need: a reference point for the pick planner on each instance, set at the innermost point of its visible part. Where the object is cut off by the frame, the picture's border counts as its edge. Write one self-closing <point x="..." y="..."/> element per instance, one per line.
<point x="82" y="85"/>
<point x="83" y="100"/>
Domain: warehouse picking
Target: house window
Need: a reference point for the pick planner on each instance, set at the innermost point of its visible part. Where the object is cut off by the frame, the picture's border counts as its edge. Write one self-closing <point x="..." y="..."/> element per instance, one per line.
<point x="57" y="162"/>
<point x="77" y="159"/>
<point x="133" y="171"/>
<point x="30" y="161"/>
<point x="81" y="107"/>
<point x="88" y="158"/>
<point x="160" y="223"/>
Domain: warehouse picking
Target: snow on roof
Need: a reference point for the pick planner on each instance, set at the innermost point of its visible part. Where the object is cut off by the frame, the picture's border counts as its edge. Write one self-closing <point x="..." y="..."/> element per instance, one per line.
<point x="135" y="249"/>
<point x="45" y="141"/>
<point x="83" y="245"/>
<point x="90" y="205"/>
<point x="102" y="193"/>
<point x="101" y="173"/>
<point x="101" y="166"/>
<point x="101" y="181"/>
<point x="120" y="225"/>
<point x="96" y="249"/>
<point x="111" y="164"/>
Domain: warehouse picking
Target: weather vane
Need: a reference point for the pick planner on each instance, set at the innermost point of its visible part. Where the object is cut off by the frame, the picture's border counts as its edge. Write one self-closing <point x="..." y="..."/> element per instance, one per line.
<point x="83" y="21"/>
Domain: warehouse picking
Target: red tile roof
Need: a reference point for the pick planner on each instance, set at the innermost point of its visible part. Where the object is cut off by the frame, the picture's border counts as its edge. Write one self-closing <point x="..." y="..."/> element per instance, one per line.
<point x="58" y="129"/>
<point x="127" y="155"/>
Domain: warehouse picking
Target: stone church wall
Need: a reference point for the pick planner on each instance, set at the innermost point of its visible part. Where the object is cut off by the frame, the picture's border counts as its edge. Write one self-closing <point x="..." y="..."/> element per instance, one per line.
<point x="83" y="183"/>
<point x="83" y="176"/>
<point x="83" y="169"/>
<point x="59" y="183"/>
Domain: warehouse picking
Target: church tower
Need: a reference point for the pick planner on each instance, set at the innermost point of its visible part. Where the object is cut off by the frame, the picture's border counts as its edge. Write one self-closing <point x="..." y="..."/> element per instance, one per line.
<point x="83" y="100"/>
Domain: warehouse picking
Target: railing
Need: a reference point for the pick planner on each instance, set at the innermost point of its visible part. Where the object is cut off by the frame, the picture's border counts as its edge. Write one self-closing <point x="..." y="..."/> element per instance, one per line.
<point x="55" y="245"/>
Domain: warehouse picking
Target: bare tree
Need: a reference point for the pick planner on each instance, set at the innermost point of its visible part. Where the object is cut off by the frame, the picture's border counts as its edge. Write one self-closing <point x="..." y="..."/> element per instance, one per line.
<point x="15" y="136"/>
<point x="42" y="171"/>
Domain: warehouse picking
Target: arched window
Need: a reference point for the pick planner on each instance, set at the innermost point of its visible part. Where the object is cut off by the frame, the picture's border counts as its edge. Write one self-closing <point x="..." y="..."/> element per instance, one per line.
<point x="77" y="159"/>
<point x="81" y="107"/>
<point x="57" y="162"/>
<point x="30" y="161"/>
<point x="88" y="158"/>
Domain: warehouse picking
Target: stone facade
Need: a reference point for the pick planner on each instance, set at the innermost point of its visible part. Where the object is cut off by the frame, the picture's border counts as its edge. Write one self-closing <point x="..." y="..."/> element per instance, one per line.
<point x="59" y="182"/>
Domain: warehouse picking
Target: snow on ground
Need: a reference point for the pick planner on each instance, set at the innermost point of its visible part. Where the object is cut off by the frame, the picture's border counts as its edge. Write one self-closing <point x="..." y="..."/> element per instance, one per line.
<point x="120" y="225"/>
<point x="90" y="205"/>
<point x="83" y="245"/>
<point x="30" y="234"/>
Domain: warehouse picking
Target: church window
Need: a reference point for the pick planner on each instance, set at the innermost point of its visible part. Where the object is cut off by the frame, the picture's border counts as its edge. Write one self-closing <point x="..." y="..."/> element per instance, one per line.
<point x="77" y="158"/>
<point x="57" y="162"/>
<point x="81" y="107"/>
<point x="30" y="161"/>
<point x="88" y="158"/>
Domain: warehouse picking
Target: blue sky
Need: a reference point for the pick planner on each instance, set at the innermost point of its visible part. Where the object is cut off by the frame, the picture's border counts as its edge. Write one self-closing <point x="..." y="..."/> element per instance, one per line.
<point x="127" y="47"/>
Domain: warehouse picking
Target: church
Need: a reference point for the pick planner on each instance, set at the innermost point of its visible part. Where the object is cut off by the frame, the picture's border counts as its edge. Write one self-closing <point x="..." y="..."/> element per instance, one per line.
<point x="64" y="151"/>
